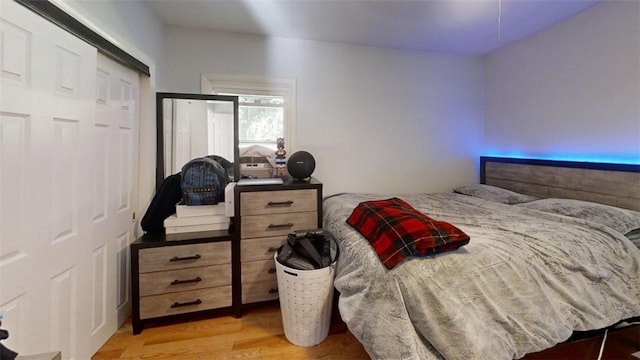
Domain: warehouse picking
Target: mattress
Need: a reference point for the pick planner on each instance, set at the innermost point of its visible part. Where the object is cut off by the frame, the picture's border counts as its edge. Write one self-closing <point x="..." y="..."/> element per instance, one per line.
<point x="526" y="281"/>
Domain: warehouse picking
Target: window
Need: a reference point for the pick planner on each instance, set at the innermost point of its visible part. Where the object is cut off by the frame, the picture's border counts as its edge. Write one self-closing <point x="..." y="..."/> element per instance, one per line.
<point x="266" y="108"/>
<point x="261" y="120"/>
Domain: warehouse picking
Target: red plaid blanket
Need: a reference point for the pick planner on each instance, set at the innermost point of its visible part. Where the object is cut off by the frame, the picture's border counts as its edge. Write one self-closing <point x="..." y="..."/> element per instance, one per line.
<point x="397" y="231"/>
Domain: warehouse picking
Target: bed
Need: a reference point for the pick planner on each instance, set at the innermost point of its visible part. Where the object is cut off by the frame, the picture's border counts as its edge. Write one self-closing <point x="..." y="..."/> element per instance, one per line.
<point x="545" y="258"/>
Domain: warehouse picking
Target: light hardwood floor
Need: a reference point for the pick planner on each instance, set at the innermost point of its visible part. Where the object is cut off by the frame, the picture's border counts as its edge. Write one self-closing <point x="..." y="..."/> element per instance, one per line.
<point x="258" y="334"/>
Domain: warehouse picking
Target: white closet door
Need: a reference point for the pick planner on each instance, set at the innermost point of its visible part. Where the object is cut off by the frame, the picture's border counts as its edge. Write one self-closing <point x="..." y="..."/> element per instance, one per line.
<point x="115" y="152"/>
<point x="59" y="265"/>
<point x="182" y="116"/>
<point x="46" y="123"/>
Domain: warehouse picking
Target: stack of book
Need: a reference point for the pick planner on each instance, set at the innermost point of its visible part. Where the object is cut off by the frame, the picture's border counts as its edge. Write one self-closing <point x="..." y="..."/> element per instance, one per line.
<point x="197" y="218"/>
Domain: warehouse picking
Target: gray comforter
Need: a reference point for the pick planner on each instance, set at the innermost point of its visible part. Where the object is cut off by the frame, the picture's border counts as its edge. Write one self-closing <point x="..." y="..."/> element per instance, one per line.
<point x="524" y="283"/>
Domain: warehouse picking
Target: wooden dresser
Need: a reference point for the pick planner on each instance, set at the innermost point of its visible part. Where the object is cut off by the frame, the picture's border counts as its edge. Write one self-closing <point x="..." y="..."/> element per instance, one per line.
<point x="264" y="215"/>
<point x="179" y="277"/>
<point x="176" y="276"/>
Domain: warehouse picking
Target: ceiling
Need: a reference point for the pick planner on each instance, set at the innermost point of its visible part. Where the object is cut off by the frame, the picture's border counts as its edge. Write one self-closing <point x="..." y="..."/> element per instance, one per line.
<point x="468" y="27"/>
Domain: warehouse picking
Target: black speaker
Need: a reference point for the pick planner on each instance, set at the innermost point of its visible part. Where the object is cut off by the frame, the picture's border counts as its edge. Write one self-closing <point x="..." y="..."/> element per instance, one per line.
<point x="301" y="165"/>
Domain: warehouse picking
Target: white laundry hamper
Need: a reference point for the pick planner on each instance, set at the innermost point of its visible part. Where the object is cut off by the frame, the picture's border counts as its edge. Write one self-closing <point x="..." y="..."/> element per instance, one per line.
<point x="306" y="298"/>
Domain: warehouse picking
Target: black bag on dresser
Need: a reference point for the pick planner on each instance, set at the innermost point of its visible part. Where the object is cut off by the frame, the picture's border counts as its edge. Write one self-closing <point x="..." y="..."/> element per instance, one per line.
<point x="163" y="204"/>
<point x="203" y="182"/>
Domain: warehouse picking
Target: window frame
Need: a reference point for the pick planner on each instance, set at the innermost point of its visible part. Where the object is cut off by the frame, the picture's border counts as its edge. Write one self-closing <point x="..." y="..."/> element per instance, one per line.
<point x="252" y="85"/>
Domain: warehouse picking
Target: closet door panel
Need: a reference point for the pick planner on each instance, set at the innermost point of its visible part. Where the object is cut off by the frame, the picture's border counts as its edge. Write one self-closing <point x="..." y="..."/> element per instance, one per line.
<point x="68" y="176"/>
<point x="46" y="115"/>
<point x="115" y="156"/>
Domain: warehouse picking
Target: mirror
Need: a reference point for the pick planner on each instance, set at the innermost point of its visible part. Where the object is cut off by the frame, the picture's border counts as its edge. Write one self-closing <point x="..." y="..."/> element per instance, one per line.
<point x="194" y="125"/>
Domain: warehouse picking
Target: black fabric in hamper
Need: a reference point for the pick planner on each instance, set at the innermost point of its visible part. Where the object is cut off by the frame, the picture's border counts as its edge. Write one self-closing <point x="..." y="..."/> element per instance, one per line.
<point x="308" y="250"/>
<point x="306" y="295"/>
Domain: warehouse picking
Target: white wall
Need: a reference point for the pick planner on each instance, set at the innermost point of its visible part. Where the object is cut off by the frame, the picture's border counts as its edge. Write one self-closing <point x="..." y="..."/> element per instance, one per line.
<point x="375" y="119"/>
<point x="571" y="91"/>
<point x="131" y="25"/>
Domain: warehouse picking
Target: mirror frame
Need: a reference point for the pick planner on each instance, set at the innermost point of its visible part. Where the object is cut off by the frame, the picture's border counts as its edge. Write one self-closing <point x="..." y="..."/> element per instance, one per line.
<point x="160" y="96"/>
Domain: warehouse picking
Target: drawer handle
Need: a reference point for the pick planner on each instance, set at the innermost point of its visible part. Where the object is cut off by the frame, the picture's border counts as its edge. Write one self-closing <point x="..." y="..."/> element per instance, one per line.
<point x="280" y="226"/>
<point x="272" y="249"/>
<point x="272" y="270"/>
<point x="177" y="304"/>
<point x="194" y="257"/>
<point x="273" y="291"/>
<point x="280" y="203"/>
<point x="178" y="282"/>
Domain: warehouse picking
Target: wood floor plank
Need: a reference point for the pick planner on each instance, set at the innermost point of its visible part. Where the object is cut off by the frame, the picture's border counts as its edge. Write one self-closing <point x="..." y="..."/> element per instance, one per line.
<point x="258" y="334"/>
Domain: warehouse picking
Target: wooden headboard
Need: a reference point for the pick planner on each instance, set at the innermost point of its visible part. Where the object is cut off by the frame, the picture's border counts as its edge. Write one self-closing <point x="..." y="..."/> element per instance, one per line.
<point x="605" y="183"/>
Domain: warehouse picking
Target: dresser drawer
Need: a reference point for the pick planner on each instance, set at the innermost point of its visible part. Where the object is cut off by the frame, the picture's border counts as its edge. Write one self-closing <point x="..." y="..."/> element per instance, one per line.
<point x="260" y="248"/>
<point x="261" y="270"/>
<point x="184" y="302"/>
<point x="254" y="226"/>
<point x="259" y="291"/>
<point x="184" y="256"/>
<point x="161" y="282"/>
<point x="278" y="202"/>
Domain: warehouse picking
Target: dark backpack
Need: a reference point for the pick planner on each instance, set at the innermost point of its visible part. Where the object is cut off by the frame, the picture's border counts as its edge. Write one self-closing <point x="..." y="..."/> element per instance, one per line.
<point x="203" y="182"/>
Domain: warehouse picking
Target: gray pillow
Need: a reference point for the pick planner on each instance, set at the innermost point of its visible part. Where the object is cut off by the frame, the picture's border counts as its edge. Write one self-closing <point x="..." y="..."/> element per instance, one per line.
<point x="621" y="220"/>
<point x="494" y="193"/>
